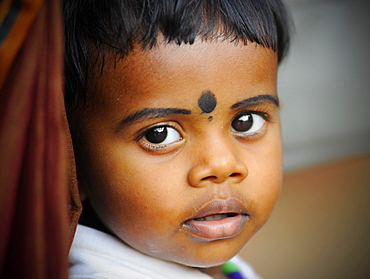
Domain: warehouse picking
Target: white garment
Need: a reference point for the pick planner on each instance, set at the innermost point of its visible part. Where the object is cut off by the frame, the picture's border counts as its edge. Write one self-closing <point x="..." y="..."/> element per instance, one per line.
<point x="95" y="254"/>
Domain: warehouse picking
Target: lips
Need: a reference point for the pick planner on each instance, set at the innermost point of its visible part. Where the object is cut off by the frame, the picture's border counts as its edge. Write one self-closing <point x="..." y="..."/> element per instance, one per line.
<point x="218" y="219"/>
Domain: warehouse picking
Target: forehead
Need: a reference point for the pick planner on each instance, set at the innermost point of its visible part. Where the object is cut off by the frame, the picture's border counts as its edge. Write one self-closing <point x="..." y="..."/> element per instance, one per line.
<point x="173" y="70"/>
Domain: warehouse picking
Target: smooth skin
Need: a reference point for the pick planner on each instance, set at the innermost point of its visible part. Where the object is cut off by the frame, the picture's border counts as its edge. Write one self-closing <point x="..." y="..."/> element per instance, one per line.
<point x="145" y="191"/>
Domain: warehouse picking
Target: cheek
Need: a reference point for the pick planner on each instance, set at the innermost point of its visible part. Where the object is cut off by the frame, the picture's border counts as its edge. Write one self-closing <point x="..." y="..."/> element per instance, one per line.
<point x="267" y="174"/>
<point x="134" y="203"/>
<point x="145" y="222"/>
<point x="128" y="210"/>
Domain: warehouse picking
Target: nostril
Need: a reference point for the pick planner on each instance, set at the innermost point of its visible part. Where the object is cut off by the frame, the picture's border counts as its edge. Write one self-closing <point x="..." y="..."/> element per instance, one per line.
<point x="208" y="177"/>
<point x="233" y="171"/>
<point x="215" y="177"/>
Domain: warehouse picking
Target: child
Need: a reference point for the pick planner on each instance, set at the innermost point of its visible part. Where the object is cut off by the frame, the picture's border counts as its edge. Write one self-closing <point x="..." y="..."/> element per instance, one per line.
<point x="174" y="117"/>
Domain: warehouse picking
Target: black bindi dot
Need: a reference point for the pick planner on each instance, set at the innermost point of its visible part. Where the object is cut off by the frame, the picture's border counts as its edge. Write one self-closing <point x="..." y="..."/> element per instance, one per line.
<point x="207" y="102"/>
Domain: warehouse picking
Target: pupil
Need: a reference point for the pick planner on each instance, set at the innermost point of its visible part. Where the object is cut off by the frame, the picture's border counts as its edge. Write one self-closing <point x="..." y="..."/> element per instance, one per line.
<point x="156" y="135"/>
<point x="243" y="123"/>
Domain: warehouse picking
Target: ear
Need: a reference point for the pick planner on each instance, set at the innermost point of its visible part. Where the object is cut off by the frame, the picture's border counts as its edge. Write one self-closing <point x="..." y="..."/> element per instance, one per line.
<point x="280" y="103"/>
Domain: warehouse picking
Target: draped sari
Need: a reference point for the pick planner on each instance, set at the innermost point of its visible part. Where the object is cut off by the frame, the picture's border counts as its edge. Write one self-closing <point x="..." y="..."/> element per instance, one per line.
<point x="39" y="202"/>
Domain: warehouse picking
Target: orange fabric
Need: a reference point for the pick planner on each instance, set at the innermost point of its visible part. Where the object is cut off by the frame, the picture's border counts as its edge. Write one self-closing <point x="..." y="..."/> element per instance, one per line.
<point x="36" y="161"/>
<point x="18" y="33"/>
<point x="4" y="9"/>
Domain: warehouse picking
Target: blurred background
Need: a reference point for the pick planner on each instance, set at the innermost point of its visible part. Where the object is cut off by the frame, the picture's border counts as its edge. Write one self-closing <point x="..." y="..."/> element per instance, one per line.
<point x="321" y="224"/>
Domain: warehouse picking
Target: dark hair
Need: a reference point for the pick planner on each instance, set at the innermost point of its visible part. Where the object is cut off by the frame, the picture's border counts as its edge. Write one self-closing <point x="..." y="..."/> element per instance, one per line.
<point x="118" y="25"/>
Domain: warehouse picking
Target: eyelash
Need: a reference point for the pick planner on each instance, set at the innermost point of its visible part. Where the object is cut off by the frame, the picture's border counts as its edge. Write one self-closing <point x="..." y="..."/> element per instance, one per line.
<point x="156" y="147"/>
<point x="264" y="114"/>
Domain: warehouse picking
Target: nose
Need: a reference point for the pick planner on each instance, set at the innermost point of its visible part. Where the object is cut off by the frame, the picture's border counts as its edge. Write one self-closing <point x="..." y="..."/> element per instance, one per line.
<point x="216" y="162"/>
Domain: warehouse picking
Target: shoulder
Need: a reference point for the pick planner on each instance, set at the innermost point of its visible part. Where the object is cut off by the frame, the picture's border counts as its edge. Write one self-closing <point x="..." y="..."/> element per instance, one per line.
<point x="95" y="254"/>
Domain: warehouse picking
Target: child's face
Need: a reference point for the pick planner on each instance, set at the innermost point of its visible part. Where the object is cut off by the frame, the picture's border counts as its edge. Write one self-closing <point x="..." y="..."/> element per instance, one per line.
<point x="181" y="154"/>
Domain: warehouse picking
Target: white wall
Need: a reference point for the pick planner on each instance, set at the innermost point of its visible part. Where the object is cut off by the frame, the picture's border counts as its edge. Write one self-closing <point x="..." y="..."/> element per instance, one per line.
<point x="325" y="82"/>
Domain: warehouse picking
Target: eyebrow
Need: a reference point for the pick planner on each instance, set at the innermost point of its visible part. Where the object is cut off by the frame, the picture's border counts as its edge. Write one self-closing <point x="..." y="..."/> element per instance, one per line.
<point x="257" y="100"/>
<point x="150" y="113"/>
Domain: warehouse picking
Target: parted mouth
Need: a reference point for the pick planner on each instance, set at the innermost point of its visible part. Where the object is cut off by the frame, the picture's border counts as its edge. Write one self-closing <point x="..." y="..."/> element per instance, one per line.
<point x="215" y="217"/>
<point x="219" y="209"/>
<point x="218" y="219"/>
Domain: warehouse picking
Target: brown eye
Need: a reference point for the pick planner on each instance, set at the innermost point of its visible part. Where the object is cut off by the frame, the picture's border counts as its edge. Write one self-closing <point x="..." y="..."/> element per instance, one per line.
<point x="242" y="123"/>
<point x="247" y="123"/>
<point x="161" y="135"/>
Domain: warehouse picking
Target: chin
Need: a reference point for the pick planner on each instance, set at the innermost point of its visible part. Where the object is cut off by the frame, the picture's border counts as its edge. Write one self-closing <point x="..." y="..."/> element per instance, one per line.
<point x="208" y="258"/>
<point x="207" y="263"/>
